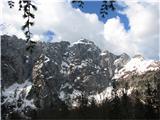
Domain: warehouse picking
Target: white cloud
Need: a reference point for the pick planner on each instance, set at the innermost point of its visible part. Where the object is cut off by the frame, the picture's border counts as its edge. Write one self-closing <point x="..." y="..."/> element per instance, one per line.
<point x="117" y="38"/>
<point x="143" y="37"/>
<point x="67" y="23"/>
<point x="71" y="25"/>
<point x="59" y="17"/>
<point x="10" y="20"/>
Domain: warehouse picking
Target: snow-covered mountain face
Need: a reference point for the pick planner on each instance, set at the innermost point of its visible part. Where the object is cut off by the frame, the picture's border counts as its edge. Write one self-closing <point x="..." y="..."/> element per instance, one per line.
<point x="137" y="66"/>
<point x="137" y="75"/>
<point x="64" y="71"/>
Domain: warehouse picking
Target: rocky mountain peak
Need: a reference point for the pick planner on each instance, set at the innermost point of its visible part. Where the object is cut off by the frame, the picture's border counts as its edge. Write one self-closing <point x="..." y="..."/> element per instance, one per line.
<point x="138" y="56"/>
<point x="121" y="61"/>
<point x="57" y="69"/>
<point x="62" y="71"/>
<point x="83" y="41"/>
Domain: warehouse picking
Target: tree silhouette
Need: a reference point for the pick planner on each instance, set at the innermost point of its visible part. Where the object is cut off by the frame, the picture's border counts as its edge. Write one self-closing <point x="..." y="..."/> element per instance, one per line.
<point x="79" y="3"/>
<point x="27" y="7"/>
<point x="152" y="103"/>
<point x="107" y="5"/>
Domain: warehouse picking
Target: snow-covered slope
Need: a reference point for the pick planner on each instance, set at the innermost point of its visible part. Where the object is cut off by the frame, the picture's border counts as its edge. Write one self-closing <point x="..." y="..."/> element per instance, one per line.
<point x="100" y="97"/>
<point x="137" y="65"/>
<point x="14" y="98"/>
<point x="17" y="92"/>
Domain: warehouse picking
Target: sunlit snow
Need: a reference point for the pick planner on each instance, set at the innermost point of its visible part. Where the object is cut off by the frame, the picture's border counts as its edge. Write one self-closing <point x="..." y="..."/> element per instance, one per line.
<point x="137" y="66"/>
<point x="16" y="92"/>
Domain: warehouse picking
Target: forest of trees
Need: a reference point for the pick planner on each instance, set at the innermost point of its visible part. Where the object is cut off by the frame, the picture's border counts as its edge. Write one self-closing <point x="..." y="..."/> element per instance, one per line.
<point x="125" y="107"/>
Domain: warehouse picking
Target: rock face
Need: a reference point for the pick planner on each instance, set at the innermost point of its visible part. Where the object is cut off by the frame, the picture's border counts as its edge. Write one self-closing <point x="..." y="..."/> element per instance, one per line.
<point x="16" y="62"/>
<point x="58" y="71"/>
<point x="121" y="61"/>
<point x="65" y="70"/>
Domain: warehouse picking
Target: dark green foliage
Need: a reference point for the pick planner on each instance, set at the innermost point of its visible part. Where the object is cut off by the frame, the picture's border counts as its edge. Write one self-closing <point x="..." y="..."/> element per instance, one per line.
<point x="152" y="101"/>
<point x="106" y="6"/>
<point x="11" y="4"/>
<point x="30" y="46"/>
<point x="79" y="3"/>
<point x="125" y="107"/>
<point x="27" y="7"/>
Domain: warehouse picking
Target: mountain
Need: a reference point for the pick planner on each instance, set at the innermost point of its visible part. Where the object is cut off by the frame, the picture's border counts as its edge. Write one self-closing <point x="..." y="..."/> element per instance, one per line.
<point x="61" y="72"/>
<point x="139" y="75"/>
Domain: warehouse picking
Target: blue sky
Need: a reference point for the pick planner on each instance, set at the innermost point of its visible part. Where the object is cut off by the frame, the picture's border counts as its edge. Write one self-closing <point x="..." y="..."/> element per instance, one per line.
<point x="48" y="35"/>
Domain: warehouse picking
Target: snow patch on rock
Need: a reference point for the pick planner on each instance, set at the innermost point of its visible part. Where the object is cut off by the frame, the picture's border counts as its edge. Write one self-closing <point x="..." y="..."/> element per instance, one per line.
<point x="47" y="59"/>
<point x="18" y="92"/>
<point x="100" y="97"/>
<point x="137" y="65"/>
<point x="81" y="41"/>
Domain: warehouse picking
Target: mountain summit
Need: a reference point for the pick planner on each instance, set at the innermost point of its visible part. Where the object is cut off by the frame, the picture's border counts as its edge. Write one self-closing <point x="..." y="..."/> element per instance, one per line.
<point x="62" y="71"/>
